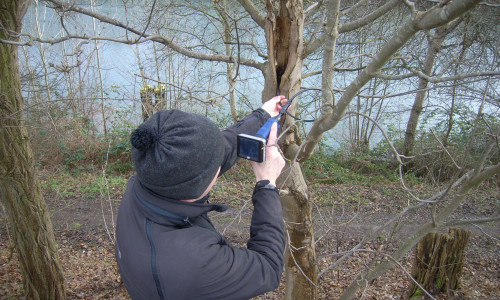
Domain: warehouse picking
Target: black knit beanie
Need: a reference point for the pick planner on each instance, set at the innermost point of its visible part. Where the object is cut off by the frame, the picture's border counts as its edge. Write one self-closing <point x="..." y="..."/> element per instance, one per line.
<point x="177" y="154"/>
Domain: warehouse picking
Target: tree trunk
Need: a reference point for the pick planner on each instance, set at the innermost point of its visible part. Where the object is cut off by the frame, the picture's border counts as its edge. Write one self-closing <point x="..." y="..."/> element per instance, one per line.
<point x="230" y="67"/>
<point x="466" y="43"/>
<point x="284" y="35"/>
<point x="301" y="272"/>
<point x="19" y="186"/>
<point x="434" y="46"/>
<point x="147" y="93"/>
<point x="439" y="259"/>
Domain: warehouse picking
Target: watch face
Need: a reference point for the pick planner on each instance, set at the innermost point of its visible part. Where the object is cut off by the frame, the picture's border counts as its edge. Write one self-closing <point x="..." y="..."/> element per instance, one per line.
<point x="251" y="147"/>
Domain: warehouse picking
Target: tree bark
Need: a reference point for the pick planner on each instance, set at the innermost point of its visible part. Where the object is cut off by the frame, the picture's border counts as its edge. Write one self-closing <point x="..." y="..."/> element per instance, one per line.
<point x="439" y="260"/>
<point x="19" y="186"/>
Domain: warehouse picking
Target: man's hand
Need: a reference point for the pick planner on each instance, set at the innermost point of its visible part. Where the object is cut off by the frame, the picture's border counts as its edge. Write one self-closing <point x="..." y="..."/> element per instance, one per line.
<point x="271" y="168"/>
<point x="274" y="105"/>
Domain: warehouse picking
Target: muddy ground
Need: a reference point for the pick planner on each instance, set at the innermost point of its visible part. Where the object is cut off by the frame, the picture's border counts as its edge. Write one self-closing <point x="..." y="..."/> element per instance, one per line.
<point x="343" y="213"/>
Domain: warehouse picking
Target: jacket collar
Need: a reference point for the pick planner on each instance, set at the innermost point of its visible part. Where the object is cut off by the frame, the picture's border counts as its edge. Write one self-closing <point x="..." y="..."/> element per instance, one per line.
<point x="164" y="205"/>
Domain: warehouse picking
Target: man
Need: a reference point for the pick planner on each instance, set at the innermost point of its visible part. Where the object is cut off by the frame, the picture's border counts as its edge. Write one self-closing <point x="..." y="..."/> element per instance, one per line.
<point x="166" y="246"/>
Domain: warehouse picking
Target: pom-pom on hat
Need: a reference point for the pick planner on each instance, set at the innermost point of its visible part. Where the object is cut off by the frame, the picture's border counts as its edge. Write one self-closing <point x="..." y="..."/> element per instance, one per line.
<point x="177" y="154"/>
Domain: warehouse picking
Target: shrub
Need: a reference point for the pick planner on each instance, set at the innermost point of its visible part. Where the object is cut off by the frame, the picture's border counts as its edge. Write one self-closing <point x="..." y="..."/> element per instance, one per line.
<point x="341" y="167"/>
<point x="77" y="144"/>
<point x="464" y="144"/>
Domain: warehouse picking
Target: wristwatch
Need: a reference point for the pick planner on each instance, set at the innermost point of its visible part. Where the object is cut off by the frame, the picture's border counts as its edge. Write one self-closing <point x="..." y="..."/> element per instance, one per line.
<point x="265" y="184"/>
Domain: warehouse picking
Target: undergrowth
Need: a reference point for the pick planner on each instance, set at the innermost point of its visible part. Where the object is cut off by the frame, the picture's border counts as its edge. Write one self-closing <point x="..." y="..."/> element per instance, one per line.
<point x="83" y="178"/>
<point x="85" y="184"/>
<point x="327" y="168"/>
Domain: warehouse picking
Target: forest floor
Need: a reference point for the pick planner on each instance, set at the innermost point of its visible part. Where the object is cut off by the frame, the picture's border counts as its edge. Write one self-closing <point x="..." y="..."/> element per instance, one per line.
<point x="83" y="206"/>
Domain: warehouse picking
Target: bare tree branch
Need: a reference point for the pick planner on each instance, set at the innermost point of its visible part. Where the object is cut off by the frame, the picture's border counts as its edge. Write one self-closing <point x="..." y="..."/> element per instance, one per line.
<point x="328" y="56"/>
<point x="386" y="96"/>
<point x="391" y="258"/>
<point x="312" y="45"/>
<point x="437" y="79"/>
<point x="353" y="7"/>
<point x="141" y="37"/>
<point x="315" y="43"/>
<point x="255" y="14"/>
<point x="412" y="240"/>
<point x="432" y="18"/>
<point x="445" y="150"/>
<point x="313" y="9"/>
<point x="209" y="101"/>
<point x="398" y="216"/>
<point x="346" y="27"/>
<point x="452" y="223"/>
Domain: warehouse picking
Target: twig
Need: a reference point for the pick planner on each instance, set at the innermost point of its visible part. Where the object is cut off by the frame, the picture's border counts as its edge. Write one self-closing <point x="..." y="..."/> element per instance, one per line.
<point x="445" y="150"/>
<point x="364" y="290"/>
<point x="48" y="102"/>
<point x="391" y="258"/>
<point x="238" y="215"/>
<point x="296" y="264"/>
<point x="485" y="233"/>
<point x="411" y="6"/>
<point x="210" y="101"/>
<point x="111" y="236"/>
<point x="393" y="149"/>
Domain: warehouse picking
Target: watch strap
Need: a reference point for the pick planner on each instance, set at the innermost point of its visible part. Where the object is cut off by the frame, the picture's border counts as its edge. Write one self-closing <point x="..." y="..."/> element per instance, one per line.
<point x="265" y="184"/>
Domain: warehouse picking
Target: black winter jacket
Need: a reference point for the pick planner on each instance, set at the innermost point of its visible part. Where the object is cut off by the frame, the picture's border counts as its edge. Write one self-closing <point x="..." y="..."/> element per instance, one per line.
<point x="168" y="249"/>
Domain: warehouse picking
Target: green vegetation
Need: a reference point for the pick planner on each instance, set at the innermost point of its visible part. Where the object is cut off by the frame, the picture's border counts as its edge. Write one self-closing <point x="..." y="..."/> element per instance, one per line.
<point x="355" y="168"/>
<point x="84" y="184"/>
